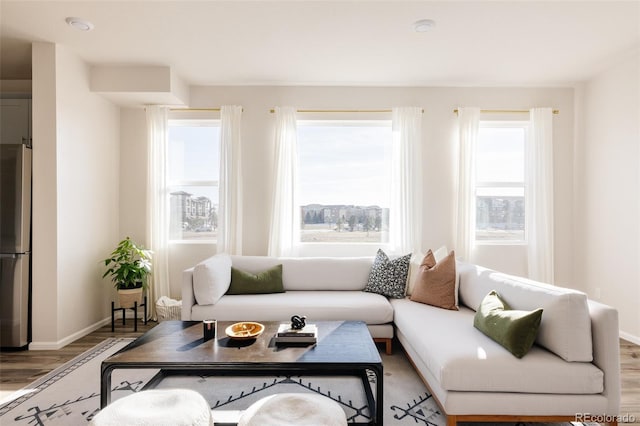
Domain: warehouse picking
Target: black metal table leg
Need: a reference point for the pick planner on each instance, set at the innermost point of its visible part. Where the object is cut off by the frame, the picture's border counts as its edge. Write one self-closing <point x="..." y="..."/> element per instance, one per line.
<point x="135" y="316"/>
<point x="145" y="309"/>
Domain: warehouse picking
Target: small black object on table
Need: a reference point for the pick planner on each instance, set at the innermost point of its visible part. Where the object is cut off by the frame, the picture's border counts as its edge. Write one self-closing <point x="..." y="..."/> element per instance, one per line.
<point x="298" y="322"/>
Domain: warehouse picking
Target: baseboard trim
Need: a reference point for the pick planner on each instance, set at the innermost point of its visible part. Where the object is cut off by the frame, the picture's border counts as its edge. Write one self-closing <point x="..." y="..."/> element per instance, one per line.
<point x="630" y="337"/>
<point x="54" y="346"/>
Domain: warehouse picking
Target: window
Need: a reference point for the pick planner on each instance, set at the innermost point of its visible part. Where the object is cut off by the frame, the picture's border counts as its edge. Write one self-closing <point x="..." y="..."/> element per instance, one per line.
<point x="500" y="199"/>
<point x="193" y="172"/>
<point x="344" y="172"/>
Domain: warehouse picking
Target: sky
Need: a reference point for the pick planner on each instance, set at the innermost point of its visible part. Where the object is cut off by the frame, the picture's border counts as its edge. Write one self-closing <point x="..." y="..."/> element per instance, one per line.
<point x="337" y="164"/>
<point x="201" y="161"/>
<point x="500" y="158"/>
<point x="341" y="164"/>
<point x="344" y="164"/>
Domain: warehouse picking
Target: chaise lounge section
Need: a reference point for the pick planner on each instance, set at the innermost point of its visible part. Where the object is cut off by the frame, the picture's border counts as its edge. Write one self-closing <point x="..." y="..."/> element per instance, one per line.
<point x="572" y="370"/>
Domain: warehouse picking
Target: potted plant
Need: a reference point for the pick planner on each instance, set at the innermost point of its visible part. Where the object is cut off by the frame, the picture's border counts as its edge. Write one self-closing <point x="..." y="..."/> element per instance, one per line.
<point x="129" y="266"/>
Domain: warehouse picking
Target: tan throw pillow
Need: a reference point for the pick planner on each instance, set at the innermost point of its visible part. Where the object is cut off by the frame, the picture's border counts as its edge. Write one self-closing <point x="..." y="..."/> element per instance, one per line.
<point x="436" y="284"/>
<point x="414" y="270"/>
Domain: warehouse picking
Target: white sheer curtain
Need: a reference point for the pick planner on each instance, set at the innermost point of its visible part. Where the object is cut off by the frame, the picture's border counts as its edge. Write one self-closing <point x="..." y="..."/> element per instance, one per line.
<point x="468" y="125"/>
<point x="405" y="220"/>
<point x="539" y="194"/>
<point x="285" y="219"/>
<point x="157" y="201"/>
<point x="230" y="184"/>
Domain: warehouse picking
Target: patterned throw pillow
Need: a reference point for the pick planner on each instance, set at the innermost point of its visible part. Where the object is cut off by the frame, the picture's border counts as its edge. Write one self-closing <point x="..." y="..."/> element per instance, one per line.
<point x="388" y="277"/>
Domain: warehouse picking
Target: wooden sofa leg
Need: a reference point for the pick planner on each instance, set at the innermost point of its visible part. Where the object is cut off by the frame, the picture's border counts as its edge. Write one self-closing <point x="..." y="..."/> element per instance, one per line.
<point x="451" y="420"/>
<point x="388" y="344"/>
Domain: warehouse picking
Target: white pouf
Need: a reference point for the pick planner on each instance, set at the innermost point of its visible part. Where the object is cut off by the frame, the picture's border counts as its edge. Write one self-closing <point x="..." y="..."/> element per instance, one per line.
<point x="171" y="407"/>
<point x="294" y="409"/>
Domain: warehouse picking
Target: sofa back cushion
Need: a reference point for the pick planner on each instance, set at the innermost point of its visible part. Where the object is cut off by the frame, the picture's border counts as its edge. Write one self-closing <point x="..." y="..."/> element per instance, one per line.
<point x="566" y="324"/>
<point x="211" y="279"/>
<point x="312" y="273"/>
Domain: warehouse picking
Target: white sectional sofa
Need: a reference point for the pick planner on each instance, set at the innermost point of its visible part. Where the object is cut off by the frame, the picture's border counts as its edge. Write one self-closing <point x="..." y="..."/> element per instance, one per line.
<point x="573" y="368"/>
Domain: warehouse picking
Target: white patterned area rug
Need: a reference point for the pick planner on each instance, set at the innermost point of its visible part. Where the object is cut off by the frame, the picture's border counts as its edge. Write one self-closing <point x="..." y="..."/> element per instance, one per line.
<point x="70" y="395"/>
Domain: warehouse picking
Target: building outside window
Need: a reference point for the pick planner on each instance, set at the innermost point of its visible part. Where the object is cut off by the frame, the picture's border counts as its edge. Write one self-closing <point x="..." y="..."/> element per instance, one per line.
<point x="344" y="172"/>
<point x="500" y="176"/>
<point x="193" y="173"/>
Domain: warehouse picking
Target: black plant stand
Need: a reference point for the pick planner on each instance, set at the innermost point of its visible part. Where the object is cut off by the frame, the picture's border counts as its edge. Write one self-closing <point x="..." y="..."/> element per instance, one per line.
<point x="135" y="314"/>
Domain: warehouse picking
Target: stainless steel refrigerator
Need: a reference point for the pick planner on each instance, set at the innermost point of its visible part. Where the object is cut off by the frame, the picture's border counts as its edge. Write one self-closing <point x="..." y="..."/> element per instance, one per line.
<point x="15" y="245"/>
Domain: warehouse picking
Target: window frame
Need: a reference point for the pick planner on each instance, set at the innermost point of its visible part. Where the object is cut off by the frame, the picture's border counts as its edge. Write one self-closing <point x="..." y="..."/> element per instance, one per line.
<point x="347" y="247"/>
<point x="520" y="124"/>
<point x="190" y="119"/>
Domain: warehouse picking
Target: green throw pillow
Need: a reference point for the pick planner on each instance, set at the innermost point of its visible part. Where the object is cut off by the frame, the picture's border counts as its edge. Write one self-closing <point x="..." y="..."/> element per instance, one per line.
<point x="515" y="330"/>
<point x="269" y="281"/>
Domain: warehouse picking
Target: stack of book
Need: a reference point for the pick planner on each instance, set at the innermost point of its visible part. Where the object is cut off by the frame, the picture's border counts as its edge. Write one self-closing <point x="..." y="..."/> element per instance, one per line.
<point x="286" y="334"/>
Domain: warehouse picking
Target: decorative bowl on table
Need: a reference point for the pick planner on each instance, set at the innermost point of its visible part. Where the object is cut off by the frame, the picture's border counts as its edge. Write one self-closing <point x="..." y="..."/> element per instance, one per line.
<point x="244" y="330"/>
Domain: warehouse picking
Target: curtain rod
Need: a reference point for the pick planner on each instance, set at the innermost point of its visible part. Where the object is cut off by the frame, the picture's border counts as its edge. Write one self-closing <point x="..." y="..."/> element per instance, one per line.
<point x="507" y="111"/>
<point x="338" y="110"/>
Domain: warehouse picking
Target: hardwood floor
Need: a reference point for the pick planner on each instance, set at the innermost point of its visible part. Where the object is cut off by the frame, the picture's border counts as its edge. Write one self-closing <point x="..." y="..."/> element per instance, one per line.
<point x="630" y="378"/>
<point x="18" y="369"/>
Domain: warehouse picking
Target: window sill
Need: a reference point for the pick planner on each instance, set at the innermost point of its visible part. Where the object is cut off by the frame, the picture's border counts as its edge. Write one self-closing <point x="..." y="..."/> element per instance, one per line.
<point x="344" y="249"/>
<point x="500" y="243"/>
<point x="194" y="242"/>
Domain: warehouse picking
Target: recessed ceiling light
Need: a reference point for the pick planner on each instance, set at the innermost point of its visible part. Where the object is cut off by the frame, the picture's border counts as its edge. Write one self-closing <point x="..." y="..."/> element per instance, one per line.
<point x="79" y="24"/>
<point x="423" y="25"/>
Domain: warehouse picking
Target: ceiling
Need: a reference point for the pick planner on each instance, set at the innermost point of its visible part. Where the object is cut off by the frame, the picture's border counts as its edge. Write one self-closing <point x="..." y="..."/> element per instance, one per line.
<point x="361" y="43"/>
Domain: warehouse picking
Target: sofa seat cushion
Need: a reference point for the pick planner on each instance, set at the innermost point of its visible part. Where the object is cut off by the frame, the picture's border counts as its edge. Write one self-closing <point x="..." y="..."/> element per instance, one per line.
<point x="565" y="328"/>
<point x="462" y="358"/>
<point x="316" y="305"/>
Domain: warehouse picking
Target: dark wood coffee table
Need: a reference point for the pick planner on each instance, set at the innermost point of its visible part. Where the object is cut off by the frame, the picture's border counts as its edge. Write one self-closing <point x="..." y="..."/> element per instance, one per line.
<point x="344" y="348"/>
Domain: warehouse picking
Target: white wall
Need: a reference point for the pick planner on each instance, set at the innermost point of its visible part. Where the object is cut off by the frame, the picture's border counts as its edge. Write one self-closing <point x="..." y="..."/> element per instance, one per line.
<point x="106" y="148"/>
<point x="439" y="127"/>
<point x="76" y="197"/>
<point x="44" y="210"/>
<point x="607" y="238"/>
<point x="133" y="175"/>
<point x="90" y="180"/>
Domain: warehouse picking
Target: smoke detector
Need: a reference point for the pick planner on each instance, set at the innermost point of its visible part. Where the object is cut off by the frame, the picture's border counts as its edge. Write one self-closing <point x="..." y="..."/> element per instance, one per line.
<point x="423" y="25"/>
<point x="79" y="24"/>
